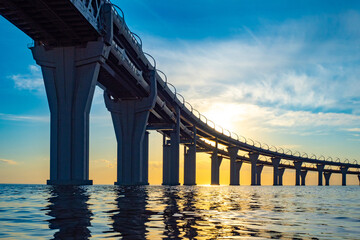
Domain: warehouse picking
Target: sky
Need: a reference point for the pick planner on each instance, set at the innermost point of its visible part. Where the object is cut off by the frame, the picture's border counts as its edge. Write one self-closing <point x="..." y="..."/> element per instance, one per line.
<point x="283" y="73"/>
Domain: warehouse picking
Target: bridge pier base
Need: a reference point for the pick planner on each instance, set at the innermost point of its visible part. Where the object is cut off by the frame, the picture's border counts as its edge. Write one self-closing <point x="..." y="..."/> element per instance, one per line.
<point x="276" y="162"/>
<point x="70" y="76"/>
<point x="259" y="169"/>
<point x="327" y="176"/>
<point x="359" y="178"/>
<point x="253" y="158"/>
<point x="303" y="174"/>
<point x="343" y="175"/>
<point x="130" y="118"/>
<point x="320" y="168"/>
<point x="215" y="168"/>
<point x="171" y="155"/>
<point x="234" y="166"/>
<point x="190" y="162"/>
<point x="297" y="172"/>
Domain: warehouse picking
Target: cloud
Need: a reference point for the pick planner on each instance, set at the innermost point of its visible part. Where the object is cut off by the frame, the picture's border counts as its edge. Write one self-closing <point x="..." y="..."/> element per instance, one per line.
<point x="353" y="130"/>
<point x="107" y="163"/>
<point x="291" y="77"/>
<point x="24" y="118"/>
<point x="294" y="68"/>
<point x="32" y="81"/>
<point x="7" y="161"/>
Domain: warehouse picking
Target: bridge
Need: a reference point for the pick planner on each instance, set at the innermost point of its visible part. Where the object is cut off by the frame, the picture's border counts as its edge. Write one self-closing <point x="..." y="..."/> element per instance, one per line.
<point x="83" y="43"/>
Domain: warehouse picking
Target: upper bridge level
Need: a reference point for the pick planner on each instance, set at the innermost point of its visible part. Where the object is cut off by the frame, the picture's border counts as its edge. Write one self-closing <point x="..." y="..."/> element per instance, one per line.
<point x="86" y="42"/>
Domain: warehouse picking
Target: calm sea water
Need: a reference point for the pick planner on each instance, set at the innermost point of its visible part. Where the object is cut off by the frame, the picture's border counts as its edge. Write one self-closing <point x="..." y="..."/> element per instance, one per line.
<point x="199" y="212"/>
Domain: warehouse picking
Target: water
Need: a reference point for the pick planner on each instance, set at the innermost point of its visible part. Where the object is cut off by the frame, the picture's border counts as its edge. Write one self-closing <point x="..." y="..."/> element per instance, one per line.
<point x="199" y="212"/>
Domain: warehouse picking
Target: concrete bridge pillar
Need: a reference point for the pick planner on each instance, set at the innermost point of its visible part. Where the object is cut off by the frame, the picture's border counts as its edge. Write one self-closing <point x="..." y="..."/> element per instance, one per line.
<point x="234" y="165"/>
<point x="327" y="176"/>
<point x="215" y="168"/>
<point x="253" y="158"/>
<point x="190" y="162"/>
<point x="259" y="169"/>
<point x="166" y="161"/>
<point x="145" y="161"/>
<point x="359" y="178"/>
<point x="320" y="168"/>
<point x="70" y="76"/>
<point x="297" y="172"/>
<point x="276" y="162"/>
<point x="343" y="173"/>
<point x="130" y="118"/>
<point x="281" y="174"/>
<point x="171" y="155"/>
<point x="303" y="177"/>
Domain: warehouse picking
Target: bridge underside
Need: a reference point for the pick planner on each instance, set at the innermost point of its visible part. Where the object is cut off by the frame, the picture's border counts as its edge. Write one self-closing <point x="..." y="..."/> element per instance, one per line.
<point x="51" y="22"/>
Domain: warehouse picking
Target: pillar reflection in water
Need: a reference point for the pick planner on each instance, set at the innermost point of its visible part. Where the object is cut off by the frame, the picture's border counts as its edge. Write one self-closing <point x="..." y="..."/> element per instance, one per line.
<point x="171" y="212"/>
<point x="70" y="211"/>
<point x="130" y="214"/>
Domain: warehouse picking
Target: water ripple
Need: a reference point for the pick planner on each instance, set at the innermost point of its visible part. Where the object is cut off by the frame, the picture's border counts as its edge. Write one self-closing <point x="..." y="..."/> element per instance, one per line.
<point x="197" y="212"/>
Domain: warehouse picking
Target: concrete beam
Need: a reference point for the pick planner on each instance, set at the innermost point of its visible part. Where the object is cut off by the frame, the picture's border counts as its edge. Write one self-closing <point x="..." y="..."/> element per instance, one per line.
<point x="70" y="75"/>
<point x="253" y="158"/>
<point x="276" y="162"/>
<point x="327" y="176"/>
<point x="303" y="174"/>
<point x="320" y="168"/>
<point x="297" y="172"/>
<point x="130" y="118"/>
<point x="234" y="165"/>
<point x="343" y="174"/>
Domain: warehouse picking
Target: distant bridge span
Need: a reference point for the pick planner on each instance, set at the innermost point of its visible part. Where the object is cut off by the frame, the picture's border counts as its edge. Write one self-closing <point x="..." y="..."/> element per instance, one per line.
<point x="83" y="43"/>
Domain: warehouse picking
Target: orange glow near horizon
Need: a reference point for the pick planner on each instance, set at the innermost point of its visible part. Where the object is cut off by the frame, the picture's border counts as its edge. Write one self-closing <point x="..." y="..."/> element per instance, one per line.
<point x="103" y="171"/>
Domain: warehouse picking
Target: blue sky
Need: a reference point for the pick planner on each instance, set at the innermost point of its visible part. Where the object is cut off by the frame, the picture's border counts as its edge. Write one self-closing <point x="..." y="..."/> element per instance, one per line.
<point x="282" y="72"/>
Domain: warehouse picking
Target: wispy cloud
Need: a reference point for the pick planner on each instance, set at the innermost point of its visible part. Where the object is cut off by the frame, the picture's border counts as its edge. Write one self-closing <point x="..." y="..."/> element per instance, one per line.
<point x="107" y="163"/>
<point x="32" y="81"/>
<point x="24" y="118"/>
<point x="7" y="161"/>
<point x="290" y="76"/>
<point x="353" y="129"/>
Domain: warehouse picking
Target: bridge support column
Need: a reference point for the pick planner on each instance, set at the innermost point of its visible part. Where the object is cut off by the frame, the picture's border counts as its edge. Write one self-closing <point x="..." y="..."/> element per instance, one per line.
<point x="327" y="176"/>
<point x="359" y="178"/>
<point x="215" y="168"/>
<point x="190" y="162"/>
<point x="343" y="173"/>
<point x="70" y="76"/>
<point x="297" y="172"/>
<point x="320" y="168"/>
<point x="130" y="118"/>
<point x="276" y="162"/>
<point x="253" y="158"/>
<point x="303" y="174"/>
<point x="259" y="169"/>
<point x="281" y="174"/>
<point x="166" y="161"/>
<point x="171" y="155"/>
<point x="234" y="165"/>
<point x="145" y="168"/>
